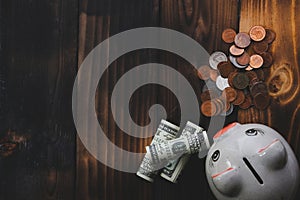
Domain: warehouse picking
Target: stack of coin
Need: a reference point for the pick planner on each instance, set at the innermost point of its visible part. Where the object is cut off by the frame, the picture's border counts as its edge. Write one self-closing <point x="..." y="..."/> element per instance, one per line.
<point x="239" y="77"/>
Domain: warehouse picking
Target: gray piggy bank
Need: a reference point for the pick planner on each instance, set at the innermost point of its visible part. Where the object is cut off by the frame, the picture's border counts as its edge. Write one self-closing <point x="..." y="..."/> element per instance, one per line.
<point x="251" y="161"/>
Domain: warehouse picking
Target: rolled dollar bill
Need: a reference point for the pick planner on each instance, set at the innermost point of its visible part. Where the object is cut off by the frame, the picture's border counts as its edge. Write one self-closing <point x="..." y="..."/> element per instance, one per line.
<point x="193" y="143"/>
<point x="165" y="131"/>
<point x="173" y="169"/>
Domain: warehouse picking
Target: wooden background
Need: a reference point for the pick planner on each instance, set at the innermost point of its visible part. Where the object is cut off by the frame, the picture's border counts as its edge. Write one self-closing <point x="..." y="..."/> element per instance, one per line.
<point x="42" y="45"/>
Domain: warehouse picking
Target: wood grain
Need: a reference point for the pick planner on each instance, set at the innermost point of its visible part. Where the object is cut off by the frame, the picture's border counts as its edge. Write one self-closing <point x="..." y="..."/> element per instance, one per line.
<point x="283" y="18"/>
<point x="38" y="55"/>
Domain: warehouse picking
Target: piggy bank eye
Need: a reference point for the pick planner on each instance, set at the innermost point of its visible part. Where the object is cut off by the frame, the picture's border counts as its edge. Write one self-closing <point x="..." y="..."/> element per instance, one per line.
<point x="216" y="155"/>
<point x="251" y="132"/>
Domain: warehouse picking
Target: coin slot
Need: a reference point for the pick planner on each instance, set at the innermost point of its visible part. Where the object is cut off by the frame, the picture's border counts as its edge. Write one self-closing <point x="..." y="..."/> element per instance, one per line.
<point x="258" y="178"/>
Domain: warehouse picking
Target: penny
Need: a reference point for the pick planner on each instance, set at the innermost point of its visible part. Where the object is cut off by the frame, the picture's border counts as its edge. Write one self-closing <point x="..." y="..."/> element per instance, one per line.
<point x="268" y="59"/>
<point x="270" y="36"/>
<point x="204" y="72"/>
<point x="208" y="95"/>
<point x="251" y="75"/>
<point x="219" y="104"/>
<point x="228" y="35"/>
<point x="240" y="81"/>
<point x="242" y="40"/>
<point x="258" y="87"/>
<point x="247" y="103"/>
<point x="230" y="78"/>
<point x="234" y="62"/>
<point x="229" y="112"/>
<point x="256" y="61"/>
<point x="229" y="94"/>
<point x="260" y="47"/>
<point x="261" y="101"/>
<point x="222" y="83"/>
<point x="225" y="68"/>
<point x="257" y="33"/>
<point x="213" y="75"/>
<point x="243" y="59"/>
<point x="208" y="108"/>
<point x="260" y="74"/>
<point x="216" y="58"/>
<point x="240" y="98"/>
<point x="235" y="51"/>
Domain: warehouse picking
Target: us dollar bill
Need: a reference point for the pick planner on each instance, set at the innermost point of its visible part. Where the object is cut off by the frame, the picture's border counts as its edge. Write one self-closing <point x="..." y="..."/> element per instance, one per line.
<point x="174" y="149"/>
<point x="165" y="131"/>
<point x="173" y="169"/>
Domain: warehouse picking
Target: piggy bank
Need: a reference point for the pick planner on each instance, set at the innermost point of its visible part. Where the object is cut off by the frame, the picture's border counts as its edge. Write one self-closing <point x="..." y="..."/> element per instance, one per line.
<point x="251" y="161"/>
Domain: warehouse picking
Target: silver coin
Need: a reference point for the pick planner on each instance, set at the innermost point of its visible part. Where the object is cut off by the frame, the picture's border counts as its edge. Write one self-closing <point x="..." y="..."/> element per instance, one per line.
<point x="229" y="112"/>
<point x="216" y="58"/>
<point x="222" y="83"/>
<point x="234" y="62"/>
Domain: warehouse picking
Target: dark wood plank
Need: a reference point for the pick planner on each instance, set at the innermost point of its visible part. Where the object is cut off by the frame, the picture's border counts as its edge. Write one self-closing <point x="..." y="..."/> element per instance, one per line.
<point x="284" y="19"/>
<point x="202" y="20"/>
<point x="39" y="58"/>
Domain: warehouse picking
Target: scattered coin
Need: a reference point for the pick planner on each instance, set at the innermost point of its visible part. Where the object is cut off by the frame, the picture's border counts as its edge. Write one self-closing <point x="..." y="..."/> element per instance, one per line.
<point x="240" y="81"/>
<point x="234" y="62"/>
<point x="240" y="98"/>
<point x="257" y="33"/>
<point x="268" y="59"/>
<point x="235" y="51"/>
<point x="249" y="68"/>
<point x="222" y="83"/>
<point x="216" y="58"/>
<point x="229" y="112"/>
<point x="247" y="103"/>
<point x="270" y="36"/>
<point x="213" y="75"/>
<point x="229" y="94"/>
<point x="228" y="35"/>
<point x="260" y="47"/>
<point x="244" y="59"/>
<point x="251" y="75"/>
<point x="261" y="101"/>
<point x="242" y="40"/>
<point x="225" y="68"/>
<point x="256" y="61"/>
<point x="204" y="72"/>
<point x="208" y="108"/>
<point x="230" y="78"/>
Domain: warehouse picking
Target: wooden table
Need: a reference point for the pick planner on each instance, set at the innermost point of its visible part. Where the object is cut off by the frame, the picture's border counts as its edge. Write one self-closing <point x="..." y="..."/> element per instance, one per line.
<point x="42" y="46"/>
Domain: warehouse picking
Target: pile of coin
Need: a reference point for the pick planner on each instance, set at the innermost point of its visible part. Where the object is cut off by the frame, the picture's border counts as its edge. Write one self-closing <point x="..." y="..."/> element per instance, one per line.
<point x="238" y="79"/>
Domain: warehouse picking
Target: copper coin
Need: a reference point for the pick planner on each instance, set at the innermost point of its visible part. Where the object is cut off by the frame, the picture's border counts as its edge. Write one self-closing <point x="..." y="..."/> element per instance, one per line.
<point x="229" y="94"/>
<point x="208" y="108"/>
<point x="257" y="33"/>
<point x="235" y="51"/>
<point x="251" y="75"/>
<point x="260" y="47"/>
<point x="261" y="101"/>
<point x="243" y="59"/>
<point x="240" y="81"/>
<point x="204" y="72"/>
<point x="208" y="95"/>
<point x="268" y="59"/>
<point x="247" y="103"/>
<point x="256" y="61"/>
<point x="260" y="74"/>
<point x="219" y="105"/>
<point x="258" y="87"/>
<point x="230" y="78"/>
<point x="270" y="36"/>
<point x="242" y="40"/>
<point x="225" y="68"/>
<point x="228" y="35"/>
<point x="240" y="98"/>
<point x="213" y="75"/>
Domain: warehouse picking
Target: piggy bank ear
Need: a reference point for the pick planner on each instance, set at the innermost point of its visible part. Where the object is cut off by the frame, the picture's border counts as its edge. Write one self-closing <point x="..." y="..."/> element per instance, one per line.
<point x="228" y="182"/>
<point x="274" y="155"/>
